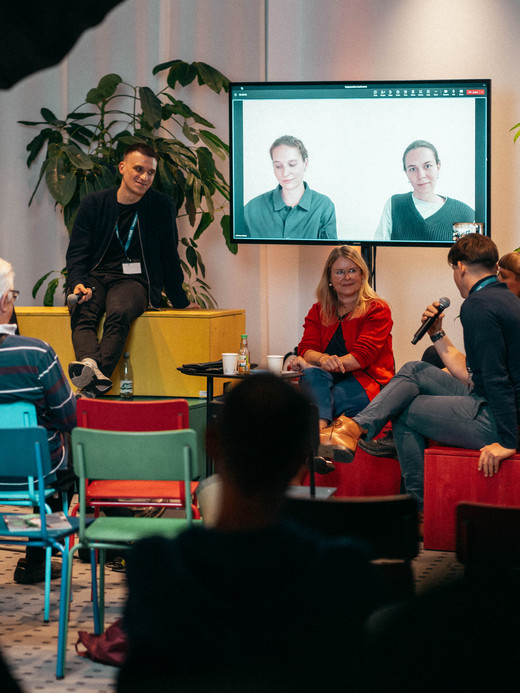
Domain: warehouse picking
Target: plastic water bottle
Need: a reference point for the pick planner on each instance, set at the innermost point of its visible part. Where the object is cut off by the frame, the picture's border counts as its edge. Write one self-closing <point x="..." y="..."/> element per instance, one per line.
<point x="126" y="381"/>
<point x="243" y="356"/>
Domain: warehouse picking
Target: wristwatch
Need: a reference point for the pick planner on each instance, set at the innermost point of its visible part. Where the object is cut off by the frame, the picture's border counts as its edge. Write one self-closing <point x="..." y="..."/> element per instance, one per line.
<point x="438" y="335"/>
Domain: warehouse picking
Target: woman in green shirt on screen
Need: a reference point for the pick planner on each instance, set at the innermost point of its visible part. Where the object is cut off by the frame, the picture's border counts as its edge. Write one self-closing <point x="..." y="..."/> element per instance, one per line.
<point x="292" y="209"/>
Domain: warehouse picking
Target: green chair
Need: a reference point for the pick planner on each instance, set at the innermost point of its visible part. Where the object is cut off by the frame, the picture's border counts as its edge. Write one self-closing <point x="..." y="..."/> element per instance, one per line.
<point x="24" y="491"/>
<point x="25" y="452"/>
<point x="117" y="455"/>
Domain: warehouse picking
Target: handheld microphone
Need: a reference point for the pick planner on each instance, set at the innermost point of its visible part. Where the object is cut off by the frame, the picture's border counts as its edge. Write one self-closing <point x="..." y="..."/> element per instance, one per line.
<point x="425" y="326"/>
<point x="72" y="299"/>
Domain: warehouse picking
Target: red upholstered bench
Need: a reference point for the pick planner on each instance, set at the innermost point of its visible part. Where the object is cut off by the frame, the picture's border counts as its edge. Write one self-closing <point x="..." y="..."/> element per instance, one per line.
<point x="366" y="475"/>
<point x="451" y="476"/>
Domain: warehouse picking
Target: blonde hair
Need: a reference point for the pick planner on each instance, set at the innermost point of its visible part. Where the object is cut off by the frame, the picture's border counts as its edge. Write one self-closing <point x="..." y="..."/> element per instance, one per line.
<point x="6" y="277"/>
<point x="511" y="262"/>
<point x="326" y="294"/>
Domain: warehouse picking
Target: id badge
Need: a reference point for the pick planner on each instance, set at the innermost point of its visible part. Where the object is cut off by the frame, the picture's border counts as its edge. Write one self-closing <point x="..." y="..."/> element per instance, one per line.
<point x="132" y="267"/>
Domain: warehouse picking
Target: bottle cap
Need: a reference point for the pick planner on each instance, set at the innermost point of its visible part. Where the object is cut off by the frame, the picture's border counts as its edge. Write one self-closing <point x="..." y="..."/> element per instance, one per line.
<point x="243" y="336"/>
<point x="126" y="354"/>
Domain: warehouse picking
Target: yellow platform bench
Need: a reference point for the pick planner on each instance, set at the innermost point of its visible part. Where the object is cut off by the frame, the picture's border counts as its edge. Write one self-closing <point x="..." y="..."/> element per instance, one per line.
<point x="159" y="342"/>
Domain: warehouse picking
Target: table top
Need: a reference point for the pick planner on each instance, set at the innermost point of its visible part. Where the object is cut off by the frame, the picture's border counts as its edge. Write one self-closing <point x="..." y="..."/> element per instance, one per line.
<point x="219" y="373"/>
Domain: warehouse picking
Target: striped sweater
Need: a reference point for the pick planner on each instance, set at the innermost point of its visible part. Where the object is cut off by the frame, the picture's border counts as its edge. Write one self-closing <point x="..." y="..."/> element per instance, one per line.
<point x="30" y="371"/>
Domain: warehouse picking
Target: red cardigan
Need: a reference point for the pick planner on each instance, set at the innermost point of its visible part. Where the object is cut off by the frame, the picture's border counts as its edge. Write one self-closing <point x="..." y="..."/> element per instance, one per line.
<point x="367" y="338"/>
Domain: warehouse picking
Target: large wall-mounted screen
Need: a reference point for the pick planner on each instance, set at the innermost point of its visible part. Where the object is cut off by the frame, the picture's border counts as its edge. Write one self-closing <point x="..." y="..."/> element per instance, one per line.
<point x="377" y="163"/>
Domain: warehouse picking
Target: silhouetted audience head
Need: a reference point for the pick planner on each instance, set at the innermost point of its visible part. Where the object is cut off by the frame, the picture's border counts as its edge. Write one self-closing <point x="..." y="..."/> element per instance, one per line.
<point x="263" y="434"/>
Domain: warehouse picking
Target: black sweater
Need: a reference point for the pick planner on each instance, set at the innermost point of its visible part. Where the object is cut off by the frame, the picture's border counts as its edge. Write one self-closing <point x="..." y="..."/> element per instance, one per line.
<point x="93" y="230"/>
<point x="490" y="317"/>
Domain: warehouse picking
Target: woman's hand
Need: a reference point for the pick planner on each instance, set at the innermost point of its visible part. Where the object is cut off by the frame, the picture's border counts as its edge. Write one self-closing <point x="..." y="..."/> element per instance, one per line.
<point x="332" y="364"/>
<point x="298" y="363"/>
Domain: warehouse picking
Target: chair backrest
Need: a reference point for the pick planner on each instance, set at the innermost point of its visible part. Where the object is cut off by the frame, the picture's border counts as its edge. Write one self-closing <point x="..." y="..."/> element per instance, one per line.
<point x="17" y="414"/>
<point x="24" y="453"/>
<point x="155" y="455"/>
<point x="158" y="455"/>
<point x="112" y="415"/>
<point x="488" y="536"/>
<point x="387" y="523"/>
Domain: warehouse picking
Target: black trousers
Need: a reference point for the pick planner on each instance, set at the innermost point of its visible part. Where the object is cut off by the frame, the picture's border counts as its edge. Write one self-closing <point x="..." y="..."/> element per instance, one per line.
<point x="122" y="298"/>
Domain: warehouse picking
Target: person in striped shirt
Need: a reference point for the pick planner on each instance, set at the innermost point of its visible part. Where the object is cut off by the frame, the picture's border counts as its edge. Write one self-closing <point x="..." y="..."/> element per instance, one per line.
<point x="30" y="371"/>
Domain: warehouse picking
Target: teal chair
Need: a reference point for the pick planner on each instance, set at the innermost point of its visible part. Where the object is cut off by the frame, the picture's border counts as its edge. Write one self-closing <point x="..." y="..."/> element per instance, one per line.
<point x="24" y="452"/>
<point x="27" y="493"/>
<point x="118" y="455"/>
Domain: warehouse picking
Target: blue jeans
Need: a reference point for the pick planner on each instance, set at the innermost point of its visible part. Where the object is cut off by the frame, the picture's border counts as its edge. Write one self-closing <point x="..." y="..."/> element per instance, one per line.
<point x="423" y="402"/>
<point x="333" y="393"/>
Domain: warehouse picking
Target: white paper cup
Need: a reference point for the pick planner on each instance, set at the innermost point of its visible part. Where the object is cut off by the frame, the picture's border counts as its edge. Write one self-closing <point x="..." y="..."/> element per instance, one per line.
<point x="229" y="364"/>
<point x="275" y="363"/>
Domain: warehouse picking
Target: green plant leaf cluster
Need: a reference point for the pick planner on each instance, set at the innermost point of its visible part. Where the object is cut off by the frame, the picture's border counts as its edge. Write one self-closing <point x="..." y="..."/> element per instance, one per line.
<point x="83" y="150"/>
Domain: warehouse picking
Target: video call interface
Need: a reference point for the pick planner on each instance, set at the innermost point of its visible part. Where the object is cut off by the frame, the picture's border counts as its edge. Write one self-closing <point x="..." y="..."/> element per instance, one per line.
<point x="355" y="135"/>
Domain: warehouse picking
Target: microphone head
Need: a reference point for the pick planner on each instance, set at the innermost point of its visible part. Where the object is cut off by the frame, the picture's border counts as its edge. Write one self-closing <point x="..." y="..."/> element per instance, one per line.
<point x="72" y="299"/>
<point x="444" y="302"/>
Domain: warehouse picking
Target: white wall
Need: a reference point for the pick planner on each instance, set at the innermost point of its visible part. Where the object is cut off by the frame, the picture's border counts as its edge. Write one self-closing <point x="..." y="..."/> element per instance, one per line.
<point x="306" y="40"/>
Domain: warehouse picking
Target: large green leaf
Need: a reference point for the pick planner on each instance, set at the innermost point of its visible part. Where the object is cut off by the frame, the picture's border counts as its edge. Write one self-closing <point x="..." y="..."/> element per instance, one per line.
<point x="67" y="188"/>
<point x="189" y="133"/>
<point x="166" y="177"/>
<point x="54" y="176"/>
<point x="206" y="162"/>
<point x="191" y="256"/>
<point x="40" y="281"/>
<point x="211" y="77"/>
<point x="181" y="72"/>
<point x="75" y="115"/>
<point x="48" y="299"/>
<point x="205" y="221"/>
<point x="36" y="145"/>
<point x="214" y="142"/>
<point x="77" y="157"/>
<point x="225" y="223"/>
<point x="105" y="89"/>
<point x="50" y="118"/>
<point x="151" y="106"/>
<point x="178" y="107"/>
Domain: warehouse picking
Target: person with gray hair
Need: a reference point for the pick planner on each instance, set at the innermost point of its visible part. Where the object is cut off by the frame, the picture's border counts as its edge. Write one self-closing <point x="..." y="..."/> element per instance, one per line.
<point x="30" y="371"/>
<point x="292" y="209"/>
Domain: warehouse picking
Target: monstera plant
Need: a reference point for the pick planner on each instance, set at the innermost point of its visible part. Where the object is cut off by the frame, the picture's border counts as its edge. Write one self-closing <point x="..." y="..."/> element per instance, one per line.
<point x="84" y="148"/>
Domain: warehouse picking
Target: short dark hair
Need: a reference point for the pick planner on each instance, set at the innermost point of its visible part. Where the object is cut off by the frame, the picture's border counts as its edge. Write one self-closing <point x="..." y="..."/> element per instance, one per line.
<point x="474" y="249"/>
<point x="265" y="432"/>
<point x="143" y="148"/>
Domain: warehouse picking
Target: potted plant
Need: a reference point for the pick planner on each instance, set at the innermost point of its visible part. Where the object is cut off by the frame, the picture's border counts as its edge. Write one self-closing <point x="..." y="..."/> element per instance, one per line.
<point x="83" y="151"/>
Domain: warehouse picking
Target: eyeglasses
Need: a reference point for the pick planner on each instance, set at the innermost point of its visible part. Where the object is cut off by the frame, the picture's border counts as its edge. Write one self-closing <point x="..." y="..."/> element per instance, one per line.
<point x="14" y="294"/>
<point x="351" y="272"/>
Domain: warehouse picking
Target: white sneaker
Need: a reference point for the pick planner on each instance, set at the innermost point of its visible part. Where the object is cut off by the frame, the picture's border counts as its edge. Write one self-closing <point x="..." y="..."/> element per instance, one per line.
<point x="86" y="372"/>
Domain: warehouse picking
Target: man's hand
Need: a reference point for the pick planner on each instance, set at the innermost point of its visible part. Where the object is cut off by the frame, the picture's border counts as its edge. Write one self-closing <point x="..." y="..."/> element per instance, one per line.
<point x="491" y="456"/>
<point x="84" y="292"/>
<point x="431" y="311"/>
<point x="192" y="306"/>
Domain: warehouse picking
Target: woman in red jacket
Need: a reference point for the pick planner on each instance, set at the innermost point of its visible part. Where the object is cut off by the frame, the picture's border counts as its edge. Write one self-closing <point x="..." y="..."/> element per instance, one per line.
<point x="345" y="355"/>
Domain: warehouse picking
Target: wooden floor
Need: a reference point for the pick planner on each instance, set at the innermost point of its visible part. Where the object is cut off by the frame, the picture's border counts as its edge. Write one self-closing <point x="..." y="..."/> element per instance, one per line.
<point x="29" y="646"/>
